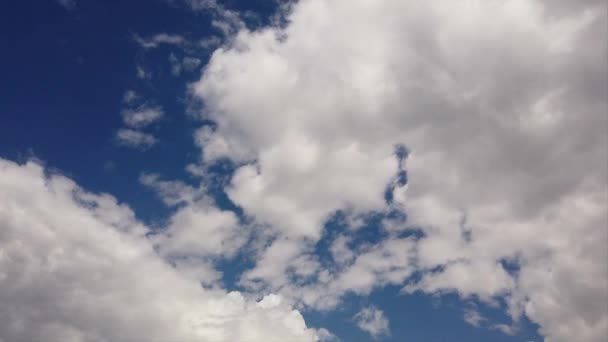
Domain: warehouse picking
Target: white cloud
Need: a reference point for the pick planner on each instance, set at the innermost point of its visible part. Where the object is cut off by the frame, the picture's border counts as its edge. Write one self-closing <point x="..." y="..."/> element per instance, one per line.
<point x="76" y="266"/>
<point x="130" y="97"/>
<point x="133" y="138"/>
<point x="173" y="193"/>
<point x="504" y="116"/>
<point x="224" y="20"/>
<point x="142" y="74"/>
<point x="159" y="39"/>
<point x="198" y="233"/>
<point x="190" y="63"/>
<point x="473" y="317"/>
<point x="210" y="42"/>
<point x="506" y="329"/>
<point x="373" y="321"/>
<point x="142" y="116"/>
<point x="187" y="64"/>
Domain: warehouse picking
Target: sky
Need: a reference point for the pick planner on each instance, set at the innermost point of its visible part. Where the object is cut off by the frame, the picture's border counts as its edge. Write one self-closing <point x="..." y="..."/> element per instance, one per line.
<point x="312" y="170"/>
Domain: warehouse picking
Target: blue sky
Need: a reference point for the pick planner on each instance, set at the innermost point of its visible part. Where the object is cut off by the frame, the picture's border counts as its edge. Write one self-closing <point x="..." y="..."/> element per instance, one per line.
<point x="284" y="145"/>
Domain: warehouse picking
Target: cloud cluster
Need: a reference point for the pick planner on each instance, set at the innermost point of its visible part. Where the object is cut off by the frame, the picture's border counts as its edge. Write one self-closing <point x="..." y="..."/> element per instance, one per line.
<point x="501" y="106"/>
<point x="137" y="115"/>
<point x="76" y="266"/>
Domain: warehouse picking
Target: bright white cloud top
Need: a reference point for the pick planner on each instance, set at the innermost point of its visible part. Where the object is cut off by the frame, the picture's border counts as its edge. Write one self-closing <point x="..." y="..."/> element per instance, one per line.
<point x="76" y="266"/>
<point x="502" y="105"/>
<point x="495" y="110"/>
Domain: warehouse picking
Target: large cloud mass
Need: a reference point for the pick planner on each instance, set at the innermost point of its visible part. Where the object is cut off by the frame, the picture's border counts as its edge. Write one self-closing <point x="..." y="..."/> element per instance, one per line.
<point x="473" y="132"/>
<point x="76" y="266"/>
<point x="502" y="106"/>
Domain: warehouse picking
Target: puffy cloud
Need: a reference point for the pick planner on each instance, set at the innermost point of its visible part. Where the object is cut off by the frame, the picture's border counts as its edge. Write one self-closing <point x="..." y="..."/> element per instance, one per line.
<point x="202" y="230"/>
<point x="133" y="138"/>
<point x="198" y="233"/>
<point x="373" y="321"/>
<point x="173" y="193"/>
<point x="504" y="119"/>
<point x="77" y="266"/>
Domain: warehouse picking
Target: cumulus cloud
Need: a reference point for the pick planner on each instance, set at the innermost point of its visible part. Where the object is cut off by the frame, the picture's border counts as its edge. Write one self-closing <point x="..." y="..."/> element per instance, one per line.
<point x="372" y="321"/>
<point x="77" y="266"/>
<point x="132" y="138"/>
<point x="504" y="120"/>
<point x="198" y="233"/>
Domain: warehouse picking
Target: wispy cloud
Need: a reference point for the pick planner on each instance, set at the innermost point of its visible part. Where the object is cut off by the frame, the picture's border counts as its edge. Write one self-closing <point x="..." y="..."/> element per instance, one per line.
<point x="135" y="139"/>
<point x="70" y="5"/>
<point x="473" y="317"/>
<point x="185" y="64"/>
<point x="142" y="116"/>
<point x="159" y="39"/>
<point x="373" y="321"/>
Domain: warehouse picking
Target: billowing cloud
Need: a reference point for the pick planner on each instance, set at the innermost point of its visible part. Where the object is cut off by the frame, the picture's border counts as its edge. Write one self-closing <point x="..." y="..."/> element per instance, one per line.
<point x="198" y="233"/>
<point x="77" y="266"/>
<point x="503" y="116"/>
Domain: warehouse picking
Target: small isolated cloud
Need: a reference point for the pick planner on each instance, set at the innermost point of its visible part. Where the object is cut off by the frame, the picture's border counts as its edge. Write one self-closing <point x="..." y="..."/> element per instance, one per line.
<point x="191" y="63"/>
<point x="506" y="329"/>
<point x="109" y="166"/>
<point x="373" y="321"/>
<point x="142" y="116"/>
<point x="143" y="74"/>
<point x="130" y="97"/>
<point x="159" y="39"/>
<point x="473" y="317"/>
<point x="136" y="139"/>
<point x="186" y="64"/>
<point x="67" y="4"/>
